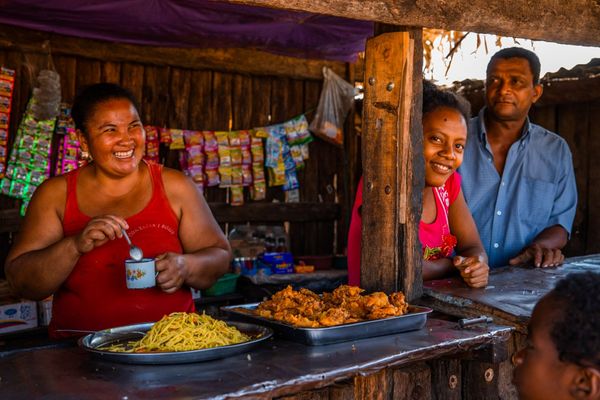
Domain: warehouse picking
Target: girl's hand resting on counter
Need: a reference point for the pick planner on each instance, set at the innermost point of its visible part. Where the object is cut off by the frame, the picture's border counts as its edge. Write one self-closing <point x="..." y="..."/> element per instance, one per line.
<point x="473" y="270"/>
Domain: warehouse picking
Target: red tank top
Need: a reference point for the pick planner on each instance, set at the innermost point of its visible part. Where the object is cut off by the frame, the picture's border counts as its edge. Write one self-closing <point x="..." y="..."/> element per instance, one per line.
<point x="95" y="296"/>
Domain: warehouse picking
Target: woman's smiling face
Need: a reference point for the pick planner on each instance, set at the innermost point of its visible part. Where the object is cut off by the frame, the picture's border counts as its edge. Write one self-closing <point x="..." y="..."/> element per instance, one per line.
<point x="444" y="140"/>
<point x="115" y="137"/>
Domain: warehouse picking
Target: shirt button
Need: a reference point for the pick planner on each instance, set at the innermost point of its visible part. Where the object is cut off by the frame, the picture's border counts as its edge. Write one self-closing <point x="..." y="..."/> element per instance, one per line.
<point x="489" y="159"/>
<point x="502" y="183"/>
<point x="499" y="212"/>
<point x="496" y="245"/>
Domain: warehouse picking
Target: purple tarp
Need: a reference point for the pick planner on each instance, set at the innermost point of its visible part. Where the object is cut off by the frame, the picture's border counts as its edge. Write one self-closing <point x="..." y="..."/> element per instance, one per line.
<point x="194" y="23"/>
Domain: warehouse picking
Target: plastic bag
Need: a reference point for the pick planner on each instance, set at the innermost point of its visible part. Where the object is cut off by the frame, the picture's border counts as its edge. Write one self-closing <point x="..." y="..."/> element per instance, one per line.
<point x="337" y="97"/>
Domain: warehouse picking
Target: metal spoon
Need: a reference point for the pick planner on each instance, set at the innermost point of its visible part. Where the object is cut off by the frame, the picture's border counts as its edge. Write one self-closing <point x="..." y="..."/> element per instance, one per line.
<point x="134" y="251"/>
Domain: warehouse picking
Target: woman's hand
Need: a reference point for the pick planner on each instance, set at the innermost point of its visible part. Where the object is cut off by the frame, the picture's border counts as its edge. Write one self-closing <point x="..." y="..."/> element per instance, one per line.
<point x="98" y="231"/>
<point x="171" y="270"/>
<point x="473" y="270"/>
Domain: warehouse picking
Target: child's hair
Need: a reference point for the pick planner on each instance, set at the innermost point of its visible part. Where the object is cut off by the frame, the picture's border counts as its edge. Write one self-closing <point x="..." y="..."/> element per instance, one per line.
<point x="87" y="100"/>
<point x="435" y="97"/>
<point x="577" y="334"/>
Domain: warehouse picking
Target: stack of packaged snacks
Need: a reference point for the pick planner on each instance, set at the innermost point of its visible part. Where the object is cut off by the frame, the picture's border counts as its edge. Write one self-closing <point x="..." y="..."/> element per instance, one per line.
<point x="279" y="160"/>
<point x="258" y="190"/>
<point x="211" y="152"/>
<point x="29" y="163"/>
<point x="152" y="144"/>
<point x="236" y="189"/>
<point x="245" y="147"/>
<point x="224" y="152"/>
<point x="7" y="83"/>
<point x="176" y="141"/>
<point x="194" y="149"/>
<point x="298" y="137"/>
<point x="68" y="147"/>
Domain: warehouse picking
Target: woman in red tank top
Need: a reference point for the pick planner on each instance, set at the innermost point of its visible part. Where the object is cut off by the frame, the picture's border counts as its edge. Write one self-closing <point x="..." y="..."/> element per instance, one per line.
<point x="71" y="244"/>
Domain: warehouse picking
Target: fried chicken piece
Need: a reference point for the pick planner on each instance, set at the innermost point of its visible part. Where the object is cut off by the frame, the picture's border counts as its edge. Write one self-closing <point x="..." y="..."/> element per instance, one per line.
<point x="333" y="316"/>
<point x="398" y="300"/>
<point x="383" y="312"/>
<point x="298" y="320"/>
<point x="376" y="300"/>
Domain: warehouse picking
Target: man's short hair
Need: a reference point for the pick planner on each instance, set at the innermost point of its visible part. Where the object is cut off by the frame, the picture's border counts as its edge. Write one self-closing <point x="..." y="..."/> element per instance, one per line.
<point x="519" y="52"/>
<point x="576" y="333"/>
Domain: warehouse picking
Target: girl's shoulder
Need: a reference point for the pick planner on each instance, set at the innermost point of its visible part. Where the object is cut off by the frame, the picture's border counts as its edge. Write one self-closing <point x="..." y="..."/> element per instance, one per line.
<point x="452" y="186"/>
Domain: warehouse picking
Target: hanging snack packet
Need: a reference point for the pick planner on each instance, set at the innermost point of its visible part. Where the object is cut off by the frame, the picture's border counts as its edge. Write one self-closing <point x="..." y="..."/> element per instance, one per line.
<point x="246" y="175"/>
<point x="258" y="191"/>
<point x="236" y="196"/>
<point x="257" y="151"/>
<point x="177" y="142"/>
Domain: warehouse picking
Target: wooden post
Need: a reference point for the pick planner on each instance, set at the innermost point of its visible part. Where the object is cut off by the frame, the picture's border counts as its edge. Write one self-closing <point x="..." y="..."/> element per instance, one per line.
<point x="392" y="164"/>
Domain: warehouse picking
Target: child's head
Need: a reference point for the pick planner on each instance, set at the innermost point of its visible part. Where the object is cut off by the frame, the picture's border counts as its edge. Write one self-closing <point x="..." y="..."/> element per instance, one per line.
<point x="445" y="116"/>
<point x="562" y="356"/>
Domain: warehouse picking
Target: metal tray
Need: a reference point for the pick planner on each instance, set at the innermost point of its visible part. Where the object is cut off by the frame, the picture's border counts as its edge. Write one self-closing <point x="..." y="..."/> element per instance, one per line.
<point x="93" y="341"/>
<point x="413" y="320"/>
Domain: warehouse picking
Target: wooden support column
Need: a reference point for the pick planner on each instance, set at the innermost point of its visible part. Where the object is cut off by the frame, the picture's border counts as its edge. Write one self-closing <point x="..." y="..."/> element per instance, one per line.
<point x="392" y="164"/>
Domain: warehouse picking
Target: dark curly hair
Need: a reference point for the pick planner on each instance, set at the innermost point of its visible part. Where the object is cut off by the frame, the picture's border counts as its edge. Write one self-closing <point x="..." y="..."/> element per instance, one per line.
<point x="519" y="52"/>
<point x="577" y="334"/>
<point x="86" y="101"/>
<point x="435" y="97"/>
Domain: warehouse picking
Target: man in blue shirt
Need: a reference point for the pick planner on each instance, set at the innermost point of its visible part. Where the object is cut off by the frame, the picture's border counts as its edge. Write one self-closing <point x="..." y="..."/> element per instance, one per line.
<point x="518" y="177"/>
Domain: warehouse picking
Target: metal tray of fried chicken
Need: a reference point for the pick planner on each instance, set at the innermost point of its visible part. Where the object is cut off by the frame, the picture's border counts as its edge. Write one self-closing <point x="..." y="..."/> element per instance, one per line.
<point x="414" y="319"/>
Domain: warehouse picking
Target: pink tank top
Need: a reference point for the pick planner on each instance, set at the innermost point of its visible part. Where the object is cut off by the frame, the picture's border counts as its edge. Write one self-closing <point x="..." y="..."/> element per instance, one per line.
<point x="95" y="296"/>
<point x="436" y="239"/>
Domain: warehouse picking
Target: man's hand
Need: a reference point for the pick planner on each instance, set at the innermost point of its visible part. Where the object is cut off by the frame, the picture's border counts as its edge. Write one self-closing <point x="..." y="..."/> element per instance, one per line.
<point x="538" y="256"/>
<point x="473" y="270"/>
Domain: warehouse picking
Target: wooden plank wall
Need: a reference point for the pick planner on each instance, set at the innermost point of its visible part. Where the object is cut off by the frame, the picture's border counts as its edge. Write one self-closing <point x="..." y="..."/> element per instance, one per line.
<point x="183" y="98"/>
<point x="578" y="122"/>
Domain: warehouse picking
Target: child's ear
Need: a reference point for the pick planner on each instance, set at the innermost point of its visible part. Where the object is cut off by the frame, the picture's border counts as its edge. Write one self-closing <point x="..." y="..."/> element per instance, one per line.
<point x="586" y="384"/>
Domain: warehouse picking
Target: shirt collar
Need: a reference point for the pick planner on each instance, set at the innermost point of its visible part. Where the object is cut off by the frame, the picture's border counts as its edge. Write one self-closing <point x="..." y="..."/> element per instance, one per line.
<point x="482" y="134"/>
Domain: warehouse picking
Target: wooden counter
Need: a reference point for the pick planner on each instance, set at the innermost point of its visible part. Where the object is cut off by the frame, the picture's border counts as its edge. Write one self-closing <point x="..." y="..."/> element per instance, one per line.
<point x="277" y="368"/>
<point x="511" y="294"/>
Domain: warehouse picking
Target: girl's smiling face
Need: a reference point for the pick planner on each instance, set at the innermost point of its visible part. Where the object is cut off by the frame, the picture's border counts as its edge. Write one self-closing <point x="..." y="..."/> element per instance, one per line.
<point x="115" y="137"/>
<point x="444" y="140"/>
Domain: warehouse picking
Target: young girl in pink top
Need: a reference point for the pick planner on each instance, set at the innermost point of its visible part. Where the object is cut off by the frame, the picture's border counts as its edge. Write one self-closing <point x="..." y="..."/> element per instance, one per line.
<point x="447" y="232"/>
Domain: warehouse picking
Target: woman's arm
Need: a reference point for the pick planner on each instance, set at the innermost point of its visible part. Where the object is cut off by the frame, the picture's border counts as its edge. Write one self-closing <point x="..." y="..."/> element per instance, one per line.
<point x="41" y="258"/>
<point x="206" y="250"/>
<point x="472" y="261"/>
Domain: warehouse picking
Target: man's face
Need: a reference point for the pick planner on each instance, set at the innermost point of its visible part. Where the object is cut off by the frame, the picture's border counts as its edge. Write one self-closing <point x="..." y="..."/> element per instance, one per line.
<point x="509" y="89"/>
<point x="539" y="374"/>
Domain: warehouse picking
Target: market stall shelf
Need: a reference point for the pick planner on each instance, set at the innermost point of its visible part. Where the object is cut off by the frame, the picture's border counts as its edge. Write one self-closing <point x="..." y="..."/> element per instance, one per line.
<point x="413" y="320"/>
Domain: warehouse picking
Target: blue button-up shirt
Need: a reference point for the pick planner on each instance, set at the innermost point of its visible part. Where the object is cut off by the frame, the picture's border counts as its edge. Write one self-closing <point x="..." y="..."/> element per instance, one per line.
<point x="536" y="190"/>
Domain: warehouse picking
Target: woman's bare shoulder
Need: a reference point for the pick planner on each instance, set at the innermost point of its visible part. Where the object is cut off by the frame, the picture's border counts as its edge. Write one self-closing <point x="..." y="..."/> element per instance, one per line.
<point x="50" y="196"/>
<point x="177" y="184"/>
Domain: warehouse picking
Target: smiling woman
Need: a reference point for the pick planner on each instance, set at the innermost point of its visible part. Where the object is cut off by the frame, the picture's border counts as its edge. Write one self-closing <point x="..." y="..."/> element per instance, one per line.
<point x="447" y="232"/>
<point x="71" y="241"/>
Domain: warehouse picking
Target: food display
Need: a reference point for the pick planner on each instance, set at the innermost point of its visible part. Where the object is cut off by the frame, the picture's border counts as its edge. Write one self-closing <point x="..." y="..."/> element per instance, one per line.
<point x="182" y="331"/>
<point x="107" y="344"/>
<point x="344" y="305"/>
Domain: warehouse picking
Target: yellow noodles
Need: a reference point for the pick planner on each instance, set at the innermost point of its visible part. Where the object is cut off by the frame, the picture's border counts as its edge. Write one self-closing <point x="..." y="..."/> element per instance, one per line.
<point x="182" y="331"/>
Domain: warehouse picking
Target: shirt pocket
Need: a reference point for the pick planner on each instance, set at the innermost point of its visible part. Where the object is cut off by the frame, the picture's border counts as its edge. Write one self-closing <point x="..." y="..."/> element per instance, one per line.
<point x="536" y="201"/>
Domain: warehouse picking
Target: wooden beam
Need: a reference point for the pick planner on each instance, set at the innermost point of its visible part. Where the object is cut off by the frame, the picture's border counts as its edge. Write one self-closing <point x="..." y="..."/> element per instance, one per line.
<point x="241" y="60"/>
<point x="10" y="220"/>
<point x="392" y="165"/>
<point x="276" y="212"/>
<point x="573" y="21"/>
